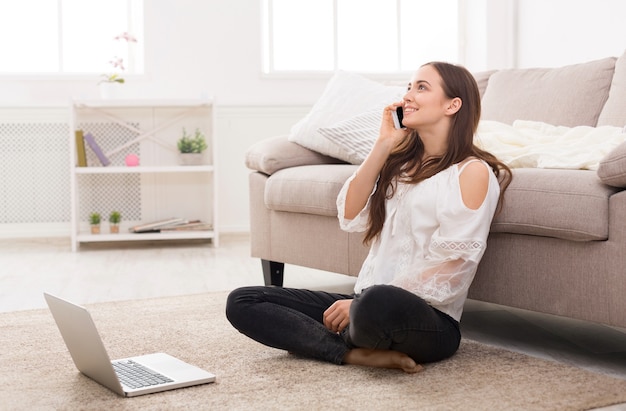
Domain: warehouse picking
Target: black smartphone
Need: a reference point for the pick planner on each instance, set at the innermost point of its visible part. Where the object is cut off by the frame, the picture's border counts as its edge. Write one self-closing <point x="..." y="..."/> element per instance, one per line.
<point x="397" y="117"/>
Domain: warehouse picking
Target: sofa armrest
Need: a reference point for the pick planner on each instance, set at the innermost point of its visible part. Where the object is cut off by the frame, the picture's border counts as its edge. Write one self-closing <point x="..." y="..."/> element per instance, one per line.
<point x="276" y="153"/>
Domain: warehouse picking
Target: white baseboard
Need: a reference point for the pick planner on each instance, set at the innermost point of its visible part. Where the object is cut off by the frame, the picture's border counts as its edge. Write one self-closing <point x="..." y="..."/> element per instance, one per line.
<point x="35" y="230"/>
<point x="49" y="230"/>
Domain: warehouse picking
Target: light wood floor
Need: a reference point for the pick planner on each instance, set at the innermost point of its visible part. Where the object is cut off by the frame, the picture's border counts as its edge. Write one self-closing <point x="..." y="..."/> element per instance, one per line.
<point x="121" y="271"/>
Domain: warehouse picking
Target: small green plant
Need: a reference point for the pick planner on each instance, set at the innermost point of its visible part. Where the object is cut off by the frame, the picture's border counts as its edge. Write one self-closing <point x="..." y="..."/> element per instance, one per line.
<point x="94" y="218"/>
<point x="115" y="217"/>
<point x="189" y="144"/>
<point x="111" y="78"/>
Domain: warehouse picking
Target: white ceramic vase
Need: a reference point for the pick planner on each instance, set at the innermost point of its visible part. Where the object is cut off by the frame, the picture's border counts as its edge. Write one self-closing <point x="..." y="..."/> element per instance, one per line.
<point x="190" y="159"/>
<point x="109" y="89"/>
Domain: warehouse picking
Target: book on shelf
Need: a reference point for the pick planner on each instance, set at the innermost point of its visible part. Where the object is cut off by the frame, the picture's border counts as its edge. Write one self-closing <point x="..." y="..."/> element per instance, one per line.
<point x="157" y="226"/>
<point x="91" y="142"/>
<point x="81" y="156"/>
<point x="191" y="226"/>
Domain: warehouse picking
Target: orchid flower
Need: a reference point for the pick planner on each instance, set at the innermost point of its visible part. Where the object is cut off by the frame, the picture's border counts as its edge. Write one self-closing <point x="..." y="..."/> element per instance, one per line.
<point x="118" y="62"/>
<point x="126" y="36"/>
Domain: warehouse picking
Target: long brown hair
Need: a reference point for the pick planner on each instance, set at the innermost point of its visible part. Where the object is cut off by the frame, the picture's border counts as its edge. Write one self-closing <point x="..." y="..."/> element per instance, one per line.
<point x="407" y="159"/>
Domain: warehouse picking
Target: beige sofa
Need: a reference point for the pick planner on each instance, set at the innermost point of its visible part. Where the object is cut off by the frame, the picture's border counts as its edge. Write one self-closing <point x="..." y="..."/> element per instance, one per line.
<point x="558" y="247"/>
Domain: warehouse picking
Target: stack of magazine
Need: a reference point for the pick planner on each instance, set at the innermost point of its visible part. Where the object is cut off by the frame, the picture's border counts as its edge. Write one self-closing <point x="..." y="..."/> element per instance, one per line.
<point x="171" y="224"/>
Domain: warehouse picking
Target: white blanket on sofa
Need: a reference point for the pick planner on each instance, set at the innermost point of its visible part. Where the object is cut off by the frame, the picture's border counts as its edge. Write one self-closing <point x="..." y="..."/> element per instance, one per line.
<point x="534" y="144"/>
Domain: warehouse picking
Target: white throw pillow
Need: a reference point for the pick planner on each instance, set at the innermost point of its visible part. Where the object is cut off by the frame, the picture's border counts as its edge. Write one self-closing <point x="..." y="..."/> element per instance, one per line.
<point x="346" y="95"/>
<point x="355" y="136"/>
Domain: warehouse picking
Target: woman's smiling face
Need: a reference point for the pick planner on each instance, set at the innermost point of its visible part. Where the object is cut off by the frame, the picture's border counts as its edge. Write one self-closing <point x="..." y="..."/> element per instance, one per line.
<point x="425" y="103"/>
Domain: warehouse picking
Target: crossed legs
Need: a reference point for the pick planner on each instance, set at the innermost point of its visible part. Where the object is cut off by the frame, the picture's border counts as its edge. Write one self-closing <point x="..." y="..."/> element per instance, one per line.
<point x="389" y="327"/>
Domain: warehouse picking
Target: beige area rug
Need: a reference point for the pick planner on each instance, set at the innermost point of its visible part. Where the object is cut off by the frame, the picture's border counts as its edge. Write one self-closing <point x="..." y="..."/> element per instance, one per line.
<point x="37" y="371"/>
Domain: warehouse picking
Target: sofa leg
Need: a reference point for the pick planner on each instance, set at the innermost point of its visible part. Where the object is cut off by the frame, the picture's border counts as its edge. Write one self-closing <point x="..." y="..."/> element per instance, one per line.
<point x="273" y="272"/>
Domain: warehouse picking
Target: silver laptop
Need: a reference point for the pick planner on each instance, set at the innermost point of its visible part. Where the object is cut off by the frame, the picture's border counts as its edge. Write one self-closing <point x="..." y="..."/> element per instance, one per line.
<point x="128" y="377"/>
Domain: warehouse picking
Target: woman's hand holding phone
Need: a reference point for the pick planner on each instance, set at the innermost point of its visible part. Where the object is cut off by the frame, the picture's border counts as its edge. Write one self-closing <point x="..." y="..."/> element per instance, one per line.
<point x="365" y="179"/>
<point x="398" y="115"/>
<point x="392" y="128"/>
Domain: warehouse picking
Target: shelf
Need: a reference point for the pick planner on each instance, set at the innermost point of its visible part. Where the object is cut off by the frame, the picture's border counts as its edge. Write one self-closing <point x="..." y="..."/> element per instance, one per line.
<point x="121" y="103"/>
<point x="178" y="235"/>
<point x="160" y="185"/>
<point x="144" y="169"/>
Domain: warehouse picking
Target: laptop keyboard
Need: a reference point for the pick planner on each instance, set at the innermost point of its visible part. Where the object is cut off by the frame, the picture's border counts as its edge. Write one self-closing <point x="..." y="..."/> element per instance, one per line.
<point x="135" y="375"/>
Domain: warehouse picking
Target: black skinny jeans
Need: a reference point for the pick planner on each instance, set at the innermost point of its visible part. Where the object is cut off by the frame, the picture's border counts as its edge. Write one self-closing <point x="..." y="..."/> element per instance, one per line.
<point x="381" y="317"/>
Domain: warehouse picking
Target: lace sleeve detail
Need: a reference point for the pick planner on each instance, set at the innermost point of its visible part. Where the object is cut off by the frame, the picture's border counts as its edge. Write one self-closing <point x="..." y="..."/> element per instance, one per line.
<point x="441" y="284"/>
<point x="358" y="223"/>
<point x="449" y="270"/>
<point x="448" y="249"/>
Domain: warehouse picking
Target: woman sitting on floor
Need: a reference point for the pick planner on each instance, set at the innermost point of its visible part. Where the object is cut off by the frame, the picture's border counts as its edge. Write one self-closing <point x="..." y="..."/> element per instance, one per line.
<point x="425" y="197"/>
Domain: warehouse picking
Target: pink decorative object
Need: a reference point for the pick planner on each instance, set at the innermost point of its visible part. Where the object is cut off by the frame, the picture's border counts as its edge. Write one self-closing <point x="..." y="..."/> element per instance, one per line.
<point x="132" y="160"/>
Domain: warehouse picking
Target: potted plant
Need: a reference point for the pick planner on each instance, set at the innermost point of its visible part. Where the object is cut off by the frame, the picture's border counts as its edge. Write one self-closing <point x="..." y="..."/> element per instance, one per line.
<point x="94" y="222"/>
<point x="191" y="148"/>
<point x="110" y="82"/>
<point x="114" y="222"/>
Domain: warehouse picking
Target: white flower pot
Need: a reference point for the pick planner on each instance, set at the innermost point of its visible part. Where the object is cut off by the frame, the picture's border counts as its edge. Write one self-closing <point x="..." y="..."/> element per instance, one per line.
<point x="109" y="89"/>
<point x="190" y="159"/>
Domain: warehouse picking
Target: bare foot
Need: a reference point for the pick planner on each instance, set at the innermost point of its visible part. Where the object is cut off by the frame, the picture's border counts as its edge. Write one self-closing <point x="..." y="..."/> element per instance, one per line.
<point x="382" y="359"/>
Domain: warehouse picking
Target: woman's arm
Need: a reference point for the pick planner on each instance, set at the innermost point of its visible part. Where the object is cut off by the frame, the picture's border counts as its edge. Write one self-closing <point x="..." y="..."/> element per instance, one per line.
<point x="362" y="185"/>
<point x="474" y="183"/>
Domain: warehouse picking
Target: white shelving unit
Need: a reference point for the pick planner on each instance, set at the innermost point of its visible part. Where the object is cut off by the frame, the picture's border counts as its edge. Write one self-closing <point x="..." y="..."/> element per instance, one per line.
<point x="158" y="188"/>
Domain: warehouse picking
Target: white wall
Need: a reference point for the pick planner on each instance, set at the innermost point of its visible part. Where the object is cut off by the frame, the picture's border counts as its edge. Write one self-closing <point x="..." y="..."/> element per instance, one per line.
<point x="237" y="129"/>
<point x="561" y="32"/>
<point x="542" y="33"/>
<point x="195" y="48"/>
<point x="489" y="34"/>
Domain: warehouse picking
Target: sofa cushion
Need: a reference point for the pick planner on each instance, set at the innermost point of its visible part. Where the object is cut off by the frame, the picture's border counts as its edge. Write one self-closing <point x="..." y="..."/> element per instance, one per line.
<point x="356" y="135"/>
<point x="567" y="96"/>
<point x="307" y="189"/>
<point x="482" y="79"/>
<point x="612" y="168"/>
<point x="565" y="204"/>
<point x="346" y="95"/>
<point x="614" y="111"/>
<point x="276" y="153"/>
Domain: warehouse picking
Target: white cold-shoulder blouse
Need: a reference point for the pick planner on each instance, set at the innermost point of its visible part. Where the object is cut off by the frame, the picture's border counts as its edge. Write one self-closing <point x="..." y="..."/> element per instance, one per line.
<point x="431" y="242"/>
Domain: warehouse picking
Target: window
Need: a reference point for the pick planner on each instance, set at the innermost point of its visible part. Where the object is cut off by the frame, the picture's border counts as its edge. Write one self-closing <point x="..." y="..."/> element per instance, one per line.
<point x="376" y="36"/>
<point x="69" y="36"/>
